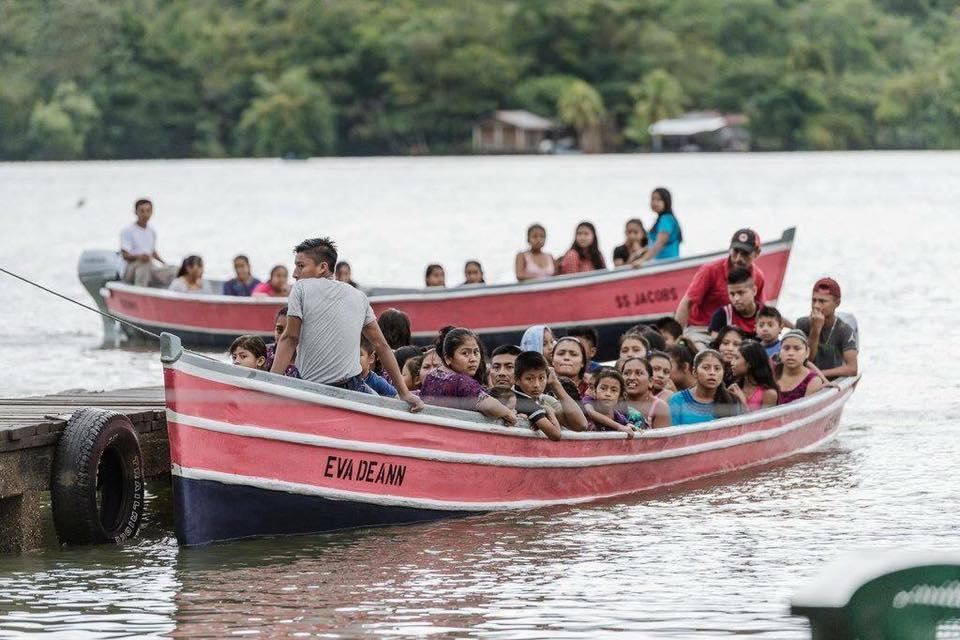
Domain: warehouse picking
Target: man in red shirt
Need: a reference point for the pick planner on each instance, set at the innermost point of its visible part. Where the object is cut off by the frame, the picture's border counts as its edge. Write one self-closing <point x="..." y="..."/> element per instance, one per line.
<point x="708" y="289"/>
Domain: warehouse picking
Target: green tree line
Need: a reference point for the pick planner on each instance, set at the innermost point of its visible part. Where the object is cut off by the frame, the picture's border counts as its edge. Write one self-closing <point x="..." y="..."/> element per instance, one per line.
<point x="219" y="78"/>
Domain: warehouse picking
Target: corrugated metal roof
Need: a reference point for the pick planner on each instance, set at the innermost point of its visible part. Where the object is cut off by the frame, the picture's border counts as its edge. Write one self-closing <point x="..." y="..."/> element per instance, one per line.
<point x="523" y="120"/>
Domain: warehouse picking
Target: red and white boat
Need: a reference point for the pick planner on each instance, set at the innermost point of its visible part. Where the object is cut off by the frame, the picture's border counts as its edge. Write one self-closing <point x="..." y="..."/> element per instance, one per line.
<point x="255" y="454"/>
<point x="611" y="301"/>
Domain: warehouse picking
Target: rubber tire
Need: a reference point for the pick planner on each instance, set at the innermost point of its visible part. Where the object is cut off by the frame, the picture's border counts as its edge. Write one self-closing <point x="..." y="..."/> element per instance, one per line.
<point x="99" y="450"/>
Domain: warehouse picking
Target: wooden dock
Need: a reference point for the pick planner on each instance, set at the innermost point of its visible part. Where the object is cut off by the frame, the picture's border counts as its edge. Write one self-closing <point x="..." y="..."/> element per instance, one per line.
<point x="30" y="429"/>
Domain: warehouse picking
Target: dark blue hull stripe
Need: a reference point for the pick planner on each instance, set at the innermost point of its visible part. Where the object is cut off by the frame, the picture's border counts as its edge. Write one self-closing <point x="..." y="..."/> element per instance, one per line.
<point x="208" y="511"/>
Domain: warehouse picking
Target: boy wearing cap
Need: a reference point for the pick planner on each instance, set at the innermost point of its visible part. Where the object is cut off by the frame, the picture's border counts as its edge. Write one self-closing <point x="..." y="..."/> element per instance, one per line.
<point x="708" y="289"/>
<point x="833" y="342"/>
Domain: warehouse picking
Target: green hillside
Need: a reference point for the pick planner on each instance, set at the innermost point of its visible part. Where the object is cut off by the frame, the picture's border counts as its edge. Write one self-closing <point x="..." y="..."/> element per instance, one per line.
<point x="204" y="78"/>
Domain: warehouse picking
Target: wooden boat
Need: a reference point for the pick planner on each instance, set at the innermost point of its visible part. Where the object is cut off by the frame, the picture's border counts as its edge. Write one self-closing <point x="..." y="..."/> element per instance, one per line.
<point x="611" y="301"/>
<point x="256" y="454"/>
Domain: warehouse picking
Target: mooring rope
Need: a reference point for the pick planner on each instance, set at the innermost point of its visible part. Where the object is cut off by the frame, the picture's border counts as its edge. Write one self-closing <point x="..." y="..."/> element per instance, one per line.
<point x="80" y="304"/>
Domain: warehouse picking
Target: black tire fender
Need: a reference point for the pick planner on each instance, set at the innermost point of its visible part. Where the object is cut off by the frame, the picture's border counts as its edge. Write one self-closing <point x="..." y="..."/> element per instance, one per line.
<point x="97" y="484"/>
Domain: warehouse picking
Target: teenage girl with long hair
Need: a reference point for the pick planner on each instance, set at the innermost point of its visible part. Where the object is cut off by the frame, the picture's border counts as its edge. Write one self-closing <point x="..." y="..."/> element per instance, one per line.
<point x="708" y="398"/>
<point x="584" y="254"/>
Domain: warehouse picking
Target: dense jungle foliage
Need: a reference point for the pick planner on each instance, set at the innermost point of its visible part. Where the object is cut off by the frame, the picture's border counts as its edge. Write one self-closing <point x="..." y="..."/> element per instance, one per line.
<point x="217" y="78"/>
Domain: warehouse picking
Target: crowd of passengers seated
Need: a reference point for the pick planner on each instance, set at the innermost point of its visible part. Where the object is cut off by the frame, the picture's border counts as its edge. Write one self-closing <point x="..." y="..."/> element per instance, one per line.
<point x="661" y="377"/>
<point x="724" y="352"/>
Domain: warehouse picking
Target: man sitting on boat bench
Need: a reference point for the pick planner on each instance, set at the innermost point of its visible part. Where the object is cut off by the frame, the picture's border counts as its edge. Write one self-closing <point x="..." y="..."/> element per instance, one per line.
<point x="325" y="319"/>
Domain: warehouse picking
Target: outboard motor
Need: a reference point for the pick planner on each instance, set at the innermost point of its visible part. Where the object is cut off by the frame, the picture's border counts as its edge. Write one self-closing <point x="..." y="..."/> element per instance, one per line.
<point x="96" y="268"/>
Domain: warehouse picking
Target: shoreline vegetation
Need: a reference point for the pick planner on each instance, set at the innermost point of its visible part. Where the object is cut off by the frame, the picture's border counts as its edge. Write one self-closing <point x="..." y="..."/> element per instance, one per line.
<point x="142" y="79"/>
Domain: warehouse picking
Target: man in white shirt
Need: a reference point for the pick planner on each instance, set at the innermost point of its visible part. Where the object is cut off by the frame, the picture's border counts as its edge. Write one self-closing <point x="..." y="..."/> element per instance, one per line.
<point x="325" y="319"/>
<point x="138" y="246"/>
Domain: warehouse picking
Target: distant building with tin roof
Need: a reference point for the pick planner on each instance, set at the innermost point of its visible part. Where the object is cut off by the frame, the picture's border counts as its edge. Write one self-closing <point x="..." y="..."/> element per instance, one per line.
<point x="511" y="131"/>
<point x="702" y="131"/>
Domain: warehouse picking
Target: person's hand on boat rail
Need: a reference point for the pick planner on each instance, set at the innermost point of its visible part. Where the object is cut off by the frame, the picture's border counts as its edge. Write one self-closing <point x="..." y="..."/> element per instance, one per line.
<point x="416" y="404"/>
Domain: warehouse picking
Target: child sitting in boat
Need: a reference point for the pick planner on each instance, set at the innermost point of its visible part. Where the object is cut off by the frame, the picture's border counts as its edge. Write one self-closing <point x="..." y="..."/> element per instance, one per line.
<point x="435" y="276"/>
<point x="670" y="329"/>
<point x="244" y="283"/>
<point x="601" y="409"/>
<point x="190" y="277"/>
<point x="278" y="286"/>
<point x="633" y="345"/>
<point x="643" y="408"/>
<point x="539" y="416"/>
<point x="249" y="352"/>
<point x="456" y="383"/>
<point x="708" y="398"/>
<point x="755" y="386"/>
<point x="279" y="325"/>
<point x="589" y="338"/>
<point x="681" y="364"/>
<point x="430" y="362"/>
<point x="535" y="262"/>
<point x="769" y="326"/>
<point x="727" y="343"/>
<point x="472" y="273"/>
<point x="796" y="378"/>
<point x="742" y="309"/>
<point x="533" y="377"/>
<point x="411" y="372"/>
<point x="368" y="359"/>
<point x="660" y="383"/>
<point x="539" y="338"/>
<point x="570" y="361"/>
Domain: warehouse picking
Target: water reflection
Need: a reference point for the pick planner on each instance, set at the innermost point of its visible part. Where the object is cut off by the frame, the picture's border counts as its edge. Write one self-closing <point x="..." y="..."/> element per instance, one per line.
<point x="609" y="566"/>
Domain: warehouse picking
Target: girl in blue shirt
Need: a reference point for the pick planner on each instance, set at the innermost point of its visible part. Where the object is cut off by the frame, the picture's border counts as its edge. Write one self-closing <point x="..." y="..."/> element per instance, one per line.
<point x="665" y="234"/>
<point x="708" y="398"/>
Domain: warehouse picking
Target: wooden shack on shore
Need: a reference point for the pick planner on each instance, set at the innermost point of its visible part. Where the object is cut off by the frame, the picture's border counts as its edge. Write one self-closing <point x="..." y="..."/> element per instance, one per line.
<point x="511" y="131"/>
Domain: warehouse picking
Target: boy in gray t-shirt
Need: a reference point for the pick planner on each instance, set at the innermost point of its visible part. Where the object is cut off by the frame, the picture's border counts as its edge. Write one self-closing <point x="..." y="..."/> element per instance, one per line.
<point x="325" y="320"/>
<point x="833" y="342"/>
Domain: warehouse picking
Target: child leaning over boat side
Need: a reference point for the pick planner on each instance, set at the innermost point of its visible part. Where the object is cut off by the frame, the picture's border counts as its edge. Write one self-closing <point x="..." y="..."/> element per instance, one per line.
<point x="644" y="409"/>
<point x="534" y="378"/>
<point x="411" y="372"/>
<point x="796" y="378"/>
<point x="454" y="383"/>
<point x="755" y="385"/>
<point x="769" y="326"/>
<point x="708" y="398"/>
<point x="249" y="352"/>
<point x="370" y="377"/>
<point x="539" y="416"/>
<point x="601" y="409"/>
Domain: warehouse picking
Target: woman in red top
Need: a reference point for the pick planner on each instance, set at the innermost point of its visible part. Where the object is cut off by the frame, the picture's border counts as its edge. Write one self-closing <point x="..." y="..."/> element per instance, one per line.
<point x="277" y="286"/>
<point x="584" y="253"/>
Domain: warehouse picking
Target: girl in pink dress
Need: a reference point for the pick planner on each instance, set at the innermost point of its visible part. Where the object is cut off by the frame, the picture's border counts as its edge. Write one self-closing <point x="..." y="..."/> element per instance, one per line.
<point x="754" y="384"/>
<point x="535" y="263"/>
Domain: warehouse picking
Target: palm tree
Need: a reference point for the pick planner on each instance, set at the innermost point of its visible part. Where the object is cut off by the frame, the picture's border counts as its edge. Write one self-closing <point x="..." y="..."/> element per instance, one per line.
<point x="581" y="107"/>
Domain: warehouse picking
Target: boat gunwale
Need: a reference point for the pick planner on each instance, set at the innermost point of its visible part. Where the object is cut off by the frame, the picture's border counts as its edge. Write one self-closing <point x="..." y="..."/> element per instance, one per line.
<point x="394" y="409"/>
<point x="564" y="281"/>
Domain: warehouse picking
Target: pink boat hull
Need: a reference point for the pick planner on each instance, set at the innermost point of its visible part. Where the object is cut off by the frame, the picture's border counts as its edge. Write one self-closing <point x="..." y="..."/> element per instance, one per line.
<point x="257" y="454"/>
<point x="611" y="301"/>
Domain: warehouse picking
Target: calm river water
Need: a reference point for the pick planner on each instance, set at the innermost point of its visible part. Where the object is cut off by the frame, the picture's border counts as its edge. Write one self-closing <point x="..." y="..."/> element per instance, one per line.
<point x="705" y="560"/>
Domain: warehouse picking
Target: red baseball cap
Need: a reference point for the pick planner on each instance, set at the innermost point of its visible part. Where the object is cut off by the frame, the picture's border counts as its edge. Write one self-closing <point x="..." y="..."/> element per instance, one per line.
<point x="745" y="240"/>
<point x="829" y="285"/>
